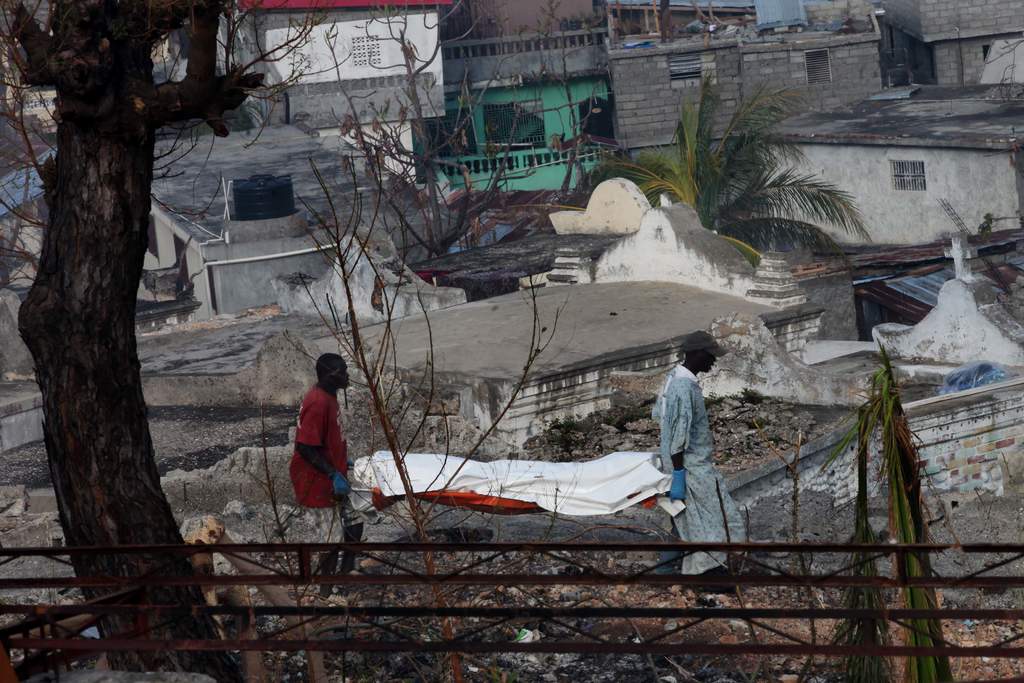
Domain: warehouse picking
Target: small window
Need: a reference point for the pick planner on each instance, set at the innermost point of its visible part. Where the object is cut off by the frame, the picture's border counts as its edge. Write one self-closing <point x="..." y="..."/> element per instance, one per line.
<point x="908" y="176"/>
<point x="366" y="51"/>
<point x="818" y="65"/>
<point x="684" y="67"/>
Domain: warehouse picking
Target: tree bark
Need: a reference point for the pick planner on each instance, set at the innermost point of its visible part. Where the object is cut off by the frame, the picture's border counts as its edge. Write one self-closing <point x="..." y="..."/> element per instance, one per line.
<point x="79" y="318"/>
<point x="79" y="324"/>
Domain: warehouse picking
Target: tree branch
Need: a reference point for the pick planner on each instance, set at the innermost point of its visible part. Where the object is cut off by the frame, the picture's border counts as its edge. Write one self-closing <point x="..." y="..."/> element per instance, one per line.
<point x="36" y="43"/>
<point x="202" y="94"/>
<point x="203" y="99"/>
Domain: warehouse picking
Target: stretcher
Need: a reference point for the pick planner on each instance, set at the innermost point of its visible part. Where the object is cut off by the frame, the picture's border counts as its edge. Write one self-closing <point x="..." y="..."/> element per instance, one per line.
<point x="602" y="486"/>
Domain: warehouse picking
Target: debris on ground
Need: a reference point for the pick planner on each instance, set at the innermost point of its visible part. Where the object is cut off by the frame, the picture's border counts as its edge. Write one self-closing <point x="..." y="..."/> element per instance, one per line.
<point x="748" y="430"/>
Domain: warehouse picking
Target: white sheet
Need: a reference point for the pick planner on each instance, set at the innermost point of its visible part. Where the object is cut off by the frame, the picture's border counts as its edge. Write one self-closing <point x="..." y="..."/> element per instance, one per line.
<point x="597" y="487"/>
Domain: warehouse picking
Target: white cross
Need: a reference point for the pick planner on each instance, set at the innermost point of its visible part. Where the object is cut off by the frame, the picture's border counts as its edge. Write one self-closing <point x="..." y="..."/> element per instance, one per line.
<point x="961" y="254"/>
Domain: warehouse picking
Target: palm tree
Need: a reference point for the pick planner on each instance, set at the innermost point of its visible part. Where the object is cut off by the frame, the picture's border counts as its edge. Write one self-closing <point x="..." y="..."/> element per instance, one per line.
<point x="741" y="180"/>
<point x="881" y="426"/>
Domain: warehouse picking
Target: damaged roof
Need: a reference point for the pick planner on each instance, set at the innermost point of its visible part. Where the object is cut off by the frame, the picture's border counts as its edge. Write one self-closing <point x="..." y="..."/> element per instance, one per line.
<point x="973" y="117"/>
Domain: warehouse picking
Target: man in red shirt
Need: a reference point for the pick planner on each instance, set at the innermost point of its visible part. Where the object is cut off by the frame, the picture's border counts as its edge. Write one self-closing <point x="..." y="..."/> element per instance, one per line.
<point x="319" y="465"/>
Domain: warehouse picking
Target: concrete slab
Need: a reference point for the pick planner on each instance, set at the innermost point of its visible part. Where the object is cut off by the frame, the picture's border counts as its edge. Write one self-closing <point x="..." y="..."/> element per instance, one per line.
<point x="586" y="324"/>
<point x="21" y="414"/>
<point x="478" y="351"/>
<point x="219" y="346"/>
<point x="827" y="349"/>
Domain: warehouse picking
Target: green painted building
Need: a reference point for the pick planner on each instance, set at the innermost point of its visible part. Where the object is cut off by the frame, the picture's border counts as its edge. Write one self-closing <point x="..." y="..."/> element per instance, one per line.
<point x="528" y="128"/>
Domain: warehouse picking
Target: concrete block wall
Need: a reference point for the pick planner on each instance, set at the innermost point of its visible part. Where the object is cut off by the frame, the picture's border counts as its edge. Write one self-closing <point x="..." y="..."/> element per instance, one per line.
<point x="992" y="16"/>
<point x="948" y="54"/>
<point x="648" y="102"/>
<point x="971" y="441"/>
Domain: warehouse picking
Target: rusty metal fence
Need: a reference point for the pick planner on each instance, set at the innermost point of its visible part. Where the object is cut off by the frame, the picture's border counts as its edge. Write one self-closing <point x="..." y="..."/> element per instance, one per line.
<point x="47" y="632"/>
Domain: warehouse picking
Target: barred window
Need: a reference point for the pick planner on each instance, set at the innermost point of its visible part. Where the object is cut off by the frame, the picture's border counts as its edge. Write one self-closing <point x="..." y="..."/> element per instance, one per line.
<point x="683" y="67"/>
<point x="908" y="176"/>
<point x="818" y="66"/>
<point x="366" y="51"/>
<point x="515" y="123"/>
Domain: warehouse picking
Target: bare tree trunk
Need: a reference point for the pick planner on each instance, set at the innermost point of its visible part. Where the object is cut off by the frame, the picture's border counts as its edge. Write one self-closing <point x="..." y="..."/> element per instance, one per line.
<point x="79" y="324"/>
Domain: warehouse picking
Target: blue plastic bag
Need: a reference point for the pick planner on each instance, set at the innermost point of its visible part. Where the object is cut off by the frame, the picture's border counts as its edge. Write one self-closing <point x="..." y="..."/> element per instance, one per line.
<point x="974" y="375"/>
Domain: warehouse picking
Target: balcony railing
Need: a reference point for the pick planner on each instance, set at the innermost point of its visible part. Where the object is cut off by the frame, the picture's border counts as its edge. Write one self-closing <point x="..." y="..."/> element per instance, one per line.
<point x="519" y="169"/>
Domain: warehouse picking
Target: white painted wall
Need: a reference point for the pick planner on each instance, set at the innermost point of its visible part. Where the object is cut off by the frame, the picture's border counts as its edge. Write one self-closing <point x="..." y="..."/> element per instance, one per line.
<point x="672" y="246"/>
<point x="975" y="182"/>
<point x="328" y="53"/>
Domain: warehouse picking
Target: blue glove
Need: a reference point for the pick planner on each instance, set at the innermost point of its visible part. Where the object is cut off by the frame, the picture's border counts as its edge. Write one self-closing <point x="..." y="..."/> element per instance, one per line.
<point x="678" y="489"/>
<point x="340" y="484"/>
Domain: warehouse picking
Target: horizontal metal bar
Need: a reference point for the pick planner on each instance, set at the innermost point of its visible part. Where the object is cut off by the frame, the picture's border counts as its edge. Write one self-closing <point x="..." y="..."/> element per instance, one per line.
<point x="543" y="646"/>
<point x="648" y="579"/>
<point x="981" y="614"/>
<point x="765" y="547"/>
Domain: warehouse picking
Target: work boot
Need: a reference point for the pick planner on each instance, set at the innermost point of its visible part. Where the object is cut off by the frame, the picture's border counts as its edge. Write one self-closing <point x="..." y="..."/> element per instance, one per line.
<point x="353" y="534"/>
<point x="328" y="567"/>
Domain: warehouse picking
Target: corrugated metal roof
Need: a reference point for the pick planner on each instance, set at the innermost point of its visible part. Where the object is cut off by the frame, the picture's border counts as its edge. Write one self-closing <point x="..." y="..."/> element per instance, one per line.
<point x="913" y="296"/>
<point x="777" y="13"/>
<point x="923" y="288"/>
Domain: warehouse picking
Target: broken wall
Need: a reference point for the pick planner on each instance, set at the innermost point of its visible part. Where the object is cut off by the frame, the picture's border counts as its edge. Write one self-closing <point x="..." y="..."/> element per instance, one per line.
<point x="383" y="288"/>
<point x="756" y="361"/>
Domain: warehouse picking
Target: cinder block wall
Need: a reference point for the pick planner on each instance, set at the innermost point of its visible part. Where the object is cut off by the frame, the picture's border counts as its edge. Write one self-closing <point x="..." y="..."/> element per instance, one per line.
<point x="948" y="54"/>
<point x="648" y="102"/>
<point x="973" y="440"/>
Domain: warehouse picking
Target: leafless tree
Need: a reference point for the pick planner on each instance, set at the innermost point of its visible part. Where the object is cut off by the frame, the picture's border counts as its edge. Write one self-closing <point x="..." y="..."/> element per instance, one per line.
<point x="78" y="321"/>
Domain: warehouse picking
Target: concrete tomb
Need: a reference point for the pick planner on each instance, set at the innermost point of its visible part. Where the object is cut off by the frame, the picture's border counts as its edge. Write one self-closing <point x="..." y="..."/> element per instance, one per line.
<point x="616" y="207"/>
<point x="969" y="323"/>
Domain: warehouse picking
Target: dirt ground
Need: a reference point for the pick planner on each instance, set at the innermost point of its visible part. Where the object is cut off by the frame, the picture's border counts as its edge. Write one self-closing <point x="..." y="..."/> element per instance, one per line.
<point x="194" y="439"/>
<point x="184" y="437"/>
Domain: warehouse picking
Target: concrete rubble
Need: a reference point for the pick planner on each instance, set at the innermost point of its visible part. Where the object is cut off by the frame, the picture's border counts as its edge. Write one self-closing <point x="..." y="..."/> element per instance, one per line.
<point x="757" y="362"/>
<point x="382" y="286"/>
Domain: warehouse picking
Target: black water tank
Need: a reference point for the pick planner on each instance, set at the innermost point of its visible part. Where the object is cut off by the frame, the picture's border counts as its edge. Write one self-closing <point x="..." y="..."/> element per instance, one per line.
<point x="263" y="196"/>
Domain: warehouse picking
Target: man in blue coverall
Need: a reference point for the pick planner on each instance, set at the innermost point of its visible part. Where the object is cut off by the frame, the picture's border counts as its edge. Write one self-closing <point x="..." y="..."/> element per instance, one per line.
<point x="687" y="450"/>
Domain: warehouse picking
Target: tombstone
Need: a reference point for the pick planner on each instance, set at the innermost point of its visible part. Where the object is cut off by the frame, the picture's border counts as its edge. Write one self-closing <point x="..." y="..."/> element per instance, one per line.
<point x="15" y="360"/>
<point x="963" y="255"/>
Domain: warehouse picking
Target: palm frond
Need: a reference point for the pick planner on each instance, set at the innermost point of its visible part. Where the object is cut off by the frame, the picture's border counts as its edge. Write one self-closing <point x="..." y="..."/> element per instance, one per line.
<point x="748" y="252"/>
<point x="771" y="233"/>
<point x="789" y="193"/>
<point x="882" y="417"/>
<point x="741" y="182"/>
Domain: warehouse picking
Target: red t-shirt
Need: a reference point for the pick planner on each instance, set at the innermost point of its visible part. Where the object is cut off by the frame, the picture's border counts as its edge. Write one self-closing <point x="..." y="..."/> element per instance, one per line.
<point x="318" y="426"/>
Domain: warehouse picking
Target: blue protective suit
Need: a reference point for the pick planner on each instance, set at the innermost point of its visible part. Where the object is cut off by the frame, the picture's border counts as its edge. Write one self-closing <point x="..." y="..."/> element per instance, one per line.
<point x="684" y="427"/>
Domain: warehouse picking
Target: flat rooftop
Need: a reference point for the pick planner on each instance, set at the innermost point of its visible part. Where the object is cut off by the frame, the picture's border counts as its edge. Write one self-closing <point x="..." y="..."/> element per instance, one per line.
<point x="973" y="117"/>
<point x="192" y="186"/>
<point x="586" y="325"/>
